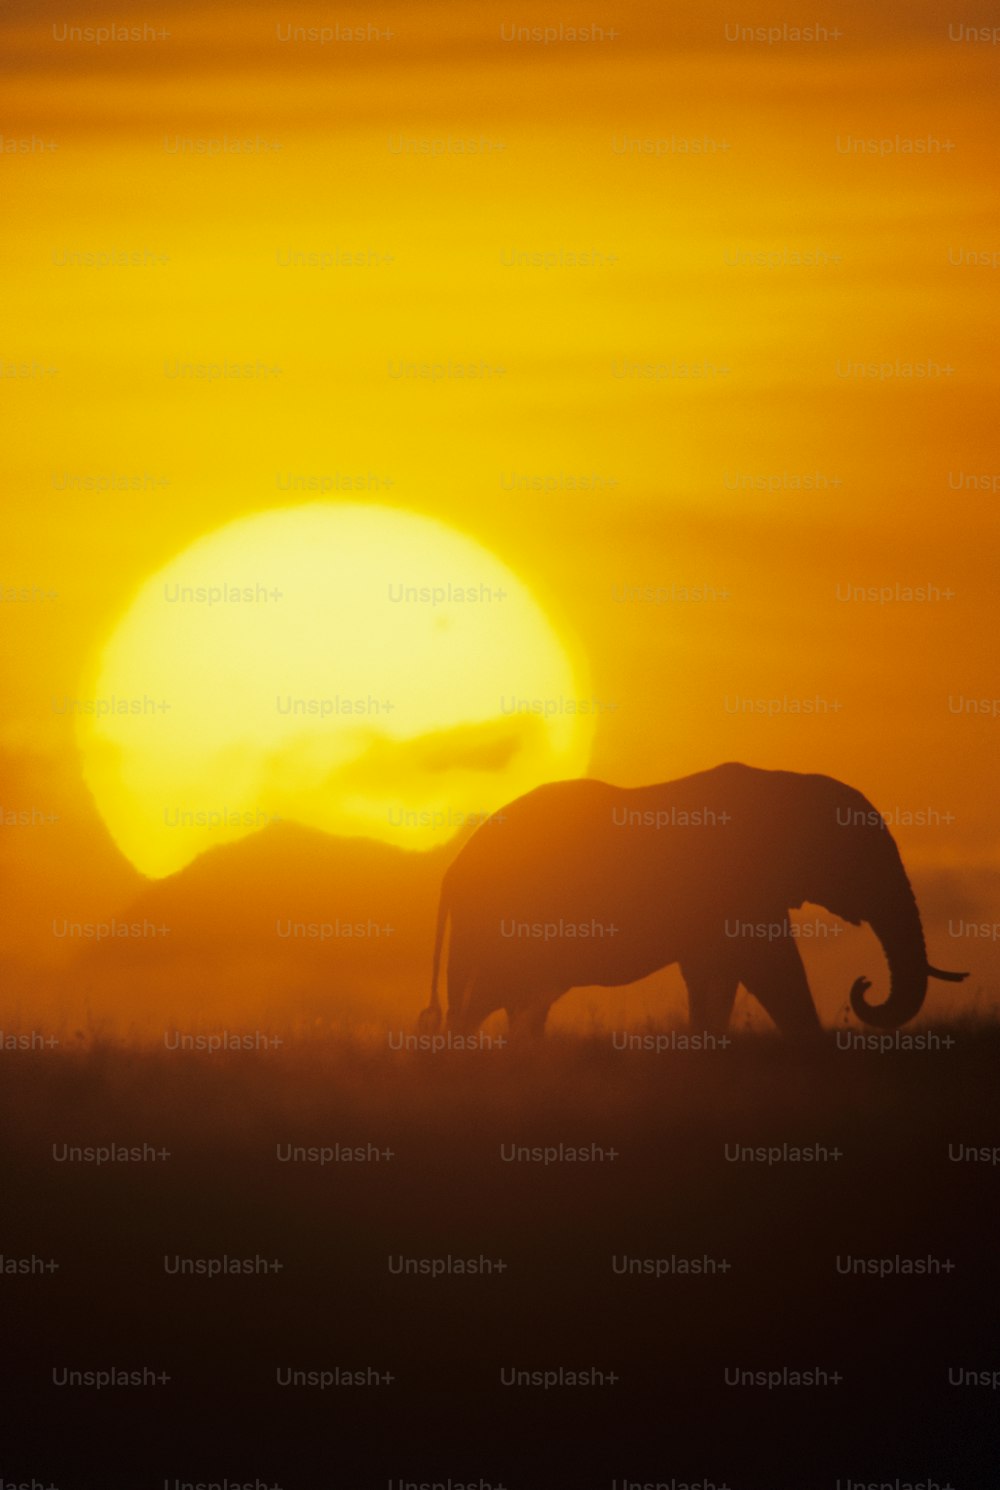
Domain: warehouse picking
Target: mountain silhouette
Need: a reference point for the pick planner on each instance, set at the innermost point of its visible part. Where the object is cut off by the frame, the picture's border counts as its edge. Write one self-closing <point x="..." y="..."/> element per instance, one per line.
<point x="285" y="912"/>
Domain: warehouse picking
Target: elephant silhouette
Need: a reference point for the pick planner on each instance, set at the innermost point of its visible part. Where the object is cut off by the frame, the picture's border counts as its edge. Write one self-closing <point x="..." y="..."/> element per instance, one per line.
<point x="580" y="883"/>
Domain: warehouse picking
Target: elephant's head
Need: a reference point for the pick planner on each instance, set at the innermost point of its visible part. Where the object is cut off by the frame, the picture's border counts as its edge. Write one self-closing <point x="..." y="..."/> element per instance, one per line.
<point x="854" y="869"/>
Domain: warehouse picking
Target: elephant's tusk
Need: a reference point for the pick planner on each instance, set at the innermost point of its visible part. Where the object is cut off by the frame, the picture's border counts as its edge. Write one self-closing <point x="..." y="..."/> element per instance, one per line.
<point x="936" y="972"/>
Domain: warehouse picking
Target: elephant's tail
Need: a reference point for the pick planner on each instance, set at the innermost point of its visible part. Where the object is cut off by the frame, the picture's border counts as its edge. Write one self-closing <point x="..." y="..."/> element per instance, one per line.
<point x="430" y="1018"/>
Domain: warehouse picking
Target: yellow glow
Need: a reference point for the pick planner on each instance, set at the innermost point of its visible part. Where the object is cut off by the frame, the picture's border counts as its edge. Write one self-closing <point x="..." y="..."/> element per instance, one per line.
<point x="358" y="669"/>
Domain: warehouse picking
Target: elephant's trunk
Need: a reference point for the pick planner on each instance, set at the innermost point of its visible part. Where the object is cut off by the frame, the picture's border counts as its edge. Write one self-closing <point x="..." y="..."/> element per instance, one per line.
<point x="899" y="930"/>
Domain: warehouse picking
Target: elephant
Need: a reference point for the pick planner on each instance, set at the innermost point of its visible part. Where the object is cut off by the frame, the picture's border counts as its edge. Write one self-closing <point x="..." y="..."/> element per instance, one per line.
<point x="580" y="883"/>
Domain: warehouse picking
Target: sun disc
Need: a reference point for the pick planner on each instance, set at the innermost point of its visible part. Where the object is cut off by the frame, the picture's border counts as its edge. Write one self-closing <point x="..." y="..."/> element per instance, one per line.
<point x="359" y="669"/>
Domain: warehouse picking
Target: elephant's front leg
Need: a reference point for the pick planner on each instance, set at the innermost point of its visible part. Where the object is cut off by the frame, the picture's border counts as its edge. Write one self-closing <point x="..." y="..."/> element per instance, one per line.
<point x="774" y="974"/>
<point x="711" y="984"/>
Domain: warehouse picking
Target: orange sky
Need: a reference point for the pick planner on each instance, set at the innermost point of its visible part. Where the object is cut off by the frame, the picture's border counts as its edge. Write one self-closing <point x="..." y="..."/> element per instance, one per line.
<point x="584" y="148"/>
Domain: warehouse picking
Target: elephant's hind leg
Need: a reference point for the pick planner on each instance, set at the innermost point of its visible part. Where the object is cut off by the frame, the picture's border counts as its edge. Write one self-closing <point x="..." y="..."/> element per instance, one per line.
<point x="711" y="987"/>
<point x="526" y="1016"/>
<point x="774" y="974"/>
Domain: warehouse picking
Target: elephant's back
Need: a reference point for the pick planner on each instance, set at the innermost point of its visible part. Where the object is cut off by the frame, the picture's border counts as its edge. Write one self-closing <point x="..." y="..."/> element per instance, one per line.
<point x="555" y="819"/>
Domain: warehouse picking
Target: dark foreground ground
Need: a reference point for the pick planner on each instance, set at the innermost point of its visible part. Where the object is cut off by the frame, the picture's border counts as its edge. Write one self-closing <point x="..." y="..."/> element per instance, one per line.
<point x="661" y="1413"/>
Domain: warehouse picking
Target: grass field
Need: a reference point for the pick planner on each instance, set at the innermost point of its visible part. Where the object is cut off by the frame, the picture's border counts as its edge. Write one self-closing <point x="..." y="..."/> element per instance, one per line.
<point x="661" y="1189"/>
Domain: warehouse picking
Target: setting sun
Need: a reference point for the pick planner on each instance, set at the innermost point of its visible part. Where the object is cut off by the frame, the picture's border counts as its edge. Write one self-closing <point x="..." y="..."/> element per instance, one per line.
<point x="357" y="669"/>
